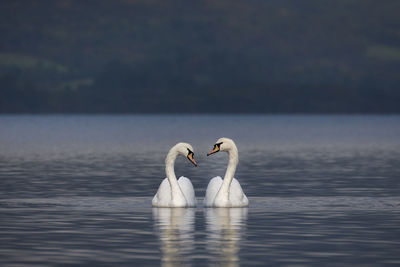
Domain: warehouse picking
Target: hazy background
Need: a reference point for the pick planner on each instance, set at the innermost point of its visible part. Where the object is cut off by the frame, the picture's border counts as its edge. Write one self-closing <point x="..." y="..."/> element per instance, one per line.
<point x="148" y="56"/>
<point x="76" y="189"/>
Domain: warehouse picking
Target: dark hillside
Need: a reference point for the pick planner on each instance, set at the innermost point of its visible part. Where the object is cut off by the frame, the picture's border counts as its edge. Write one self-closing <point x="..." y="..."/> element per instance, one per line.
<point x="200" y="56"/>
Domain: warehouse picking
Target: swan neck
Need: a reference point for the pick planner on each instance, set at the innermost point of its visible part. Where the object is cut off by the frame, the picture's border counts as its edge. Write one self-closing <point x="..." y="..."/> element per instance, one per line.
<point x="230" y="173"/>
<point x="176" y="191"/>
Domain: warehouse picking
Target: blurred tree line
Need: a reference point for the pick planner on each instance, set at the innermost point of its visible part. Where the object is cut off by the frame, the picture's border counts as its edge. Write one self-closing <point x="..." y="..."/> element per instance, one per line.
<point x="204" y="56"/>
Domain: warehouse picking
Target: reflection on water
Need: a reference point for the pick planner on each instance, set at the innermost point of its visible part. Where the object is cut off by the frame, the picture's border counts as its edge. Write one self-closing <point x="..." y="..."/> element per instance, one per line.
<point x="224" y="230"/>
<point x="307" y="231"/>
<point x="175" y="227"/>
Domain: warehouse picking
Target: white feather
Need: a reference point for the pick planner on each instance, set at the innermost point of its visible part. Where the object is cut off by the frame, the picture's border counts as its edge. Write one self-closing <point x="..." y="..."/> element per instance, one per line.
<point x="181" y="193"/>
<point x="226" y="192"/>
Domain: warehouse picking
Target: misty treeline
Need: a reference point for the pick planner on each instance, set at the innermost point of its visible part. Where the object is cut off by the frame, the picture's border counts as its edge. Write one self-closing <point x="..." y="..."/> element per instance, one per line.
<point x="207" y="56"/>
<point x="121" y="87"/>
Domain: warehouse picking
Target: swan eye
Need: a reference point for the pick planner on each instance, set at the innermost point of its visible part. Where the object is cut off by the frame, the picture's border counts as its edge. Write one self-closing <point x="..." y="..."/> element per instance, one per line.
<point x="217" y="145"/>
<point x="190" y="151"/>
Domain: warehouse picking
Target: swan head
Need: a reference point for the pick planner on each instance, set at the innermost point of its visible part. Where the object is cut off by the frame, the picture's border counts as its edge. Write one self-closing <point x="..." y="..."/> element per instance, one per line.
<point x="223" y="144"/>
<point x="185" y="150"/>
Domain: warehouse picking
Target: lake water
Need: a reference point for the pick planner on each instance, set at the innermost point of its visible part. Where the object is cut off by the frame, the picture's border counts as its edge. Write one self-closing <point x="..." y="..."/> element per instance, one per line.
<point x="323" y="191"/>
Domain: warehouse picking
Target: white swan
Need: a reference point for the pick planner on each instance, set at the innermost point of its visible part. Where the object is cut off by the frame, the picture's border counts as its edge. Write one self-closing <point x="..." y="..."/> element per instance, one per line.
<point x="173" y="192"/>
<point x="227" y="192"/>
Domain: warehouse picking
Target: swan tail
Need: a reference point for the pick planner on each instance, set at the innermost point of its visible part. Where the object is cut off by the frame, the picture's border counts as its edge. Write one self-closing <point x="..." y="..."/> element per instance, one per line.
<point x="236" y="195"/>
<point x="212" y="190"/>
<point x="188" y="191"/>
<point x="163" y="194"/>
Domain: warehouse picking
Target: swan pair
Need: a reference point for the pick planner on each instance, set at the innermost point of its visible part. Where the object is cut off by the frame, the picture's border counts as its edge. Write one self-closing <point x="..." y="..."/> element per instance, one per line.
<point x="220" y="192"/>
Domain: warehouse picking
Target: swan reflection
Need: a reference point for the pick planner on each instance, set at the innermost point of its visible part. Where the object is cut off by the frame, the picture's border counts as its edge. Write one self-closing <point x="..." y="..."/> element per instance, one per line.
<point x="175" y="227"/>
<point x="225" y="227"/>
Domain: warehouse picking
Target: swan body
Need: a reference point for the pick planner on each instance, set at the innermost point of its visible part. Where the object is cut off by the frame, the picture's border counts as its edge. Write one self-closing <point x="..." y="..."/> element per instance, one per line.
<point x="226" y="192"/>
<point x="236" y="196"/>
<point x="173" y="192"/>
<point x="163" y="197"/>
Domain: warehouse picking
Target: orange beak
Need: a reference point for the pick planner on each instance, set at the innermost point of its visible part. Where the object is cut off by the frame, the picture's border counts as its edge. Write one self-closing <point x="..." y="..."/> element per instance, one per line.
<point x="215" y="150"/>
<point x="190" y="157"/>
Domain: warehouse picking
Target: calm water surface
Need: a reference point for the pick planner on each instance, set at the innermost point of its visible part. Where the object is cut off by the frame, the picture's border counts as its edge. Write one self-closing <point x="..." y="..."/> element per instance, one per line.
<point x="323" y="190"/>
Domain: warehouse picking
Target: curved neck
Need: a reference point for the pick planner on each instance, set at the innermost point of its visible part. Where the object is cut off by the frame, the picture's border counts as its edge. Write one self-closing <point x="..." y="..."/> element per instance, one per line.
<point x="223" y="192"/>
<point x="176" y="192"/>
